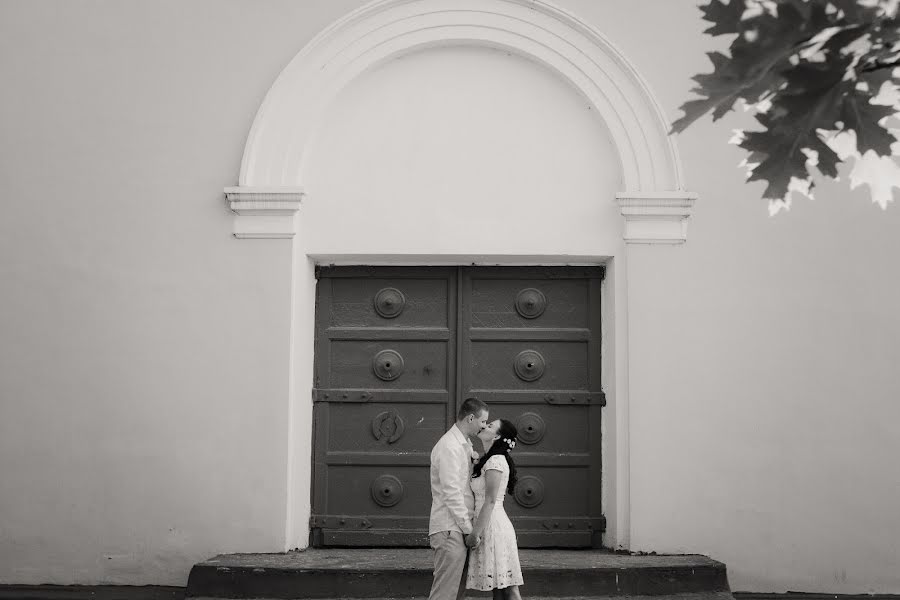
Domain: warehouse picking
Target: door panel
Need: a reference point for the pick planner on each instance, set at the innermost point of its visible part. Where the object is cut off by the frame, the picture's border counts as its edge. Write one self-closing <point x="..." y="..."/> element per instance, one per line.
<point x="558" y="303"/>
<point x="397" y="428"/>
<point x="529" y="366"/>
<point x="558" y="492"/>
<point x="421" y="303"/>
<point x="385" y="377"/>
<point x="390" y="364"/>
<point x="530" y="348"/>
<point x="546" y="428"/>
<point x="398" y="348"/>
<point x="347" y="484"/>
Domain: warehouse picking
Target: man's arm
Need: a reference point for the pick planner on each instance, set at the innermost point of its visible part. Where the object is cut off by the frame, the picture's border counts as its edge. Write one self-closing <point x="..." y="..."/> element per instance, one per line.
<point x="453" y="476"/>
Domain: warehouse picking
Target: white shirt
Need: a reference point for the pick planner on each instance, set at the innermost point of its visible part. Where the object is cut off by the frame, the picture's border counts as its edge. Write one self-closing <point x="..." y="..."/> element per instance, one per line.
<point x="452" y="501"/>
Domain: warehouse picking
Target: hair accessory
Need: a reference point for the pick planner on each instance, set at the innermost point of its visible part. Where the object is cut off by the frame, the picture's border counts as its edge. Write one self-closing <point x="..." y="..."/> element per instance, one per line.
<point x="510" y="443"/>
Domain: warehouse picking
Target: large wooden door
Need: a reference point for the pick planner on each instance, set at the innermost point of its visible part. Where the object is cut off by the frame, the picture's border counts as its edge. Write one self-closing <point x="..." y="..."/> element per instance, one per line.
<point x="397" y="349"/>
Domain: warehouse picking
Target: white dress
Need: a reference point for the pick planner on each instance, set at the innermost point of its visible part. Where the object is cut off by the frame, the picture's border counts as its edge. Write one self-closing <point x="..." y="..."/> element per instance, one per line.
<point x="495" y="562"/>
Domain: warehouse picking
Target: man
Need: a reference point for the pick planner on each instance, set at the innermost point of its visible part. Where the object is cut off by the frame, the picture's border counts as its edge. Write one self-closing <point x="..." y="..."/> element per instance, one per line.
<point x="452" y="502"/>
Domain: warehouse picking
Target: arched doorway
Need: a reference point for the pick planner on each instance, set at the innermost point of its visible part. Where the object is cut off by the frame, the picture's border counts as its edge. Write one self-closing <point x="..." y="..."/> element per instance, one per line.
<point x="354" y="214"/>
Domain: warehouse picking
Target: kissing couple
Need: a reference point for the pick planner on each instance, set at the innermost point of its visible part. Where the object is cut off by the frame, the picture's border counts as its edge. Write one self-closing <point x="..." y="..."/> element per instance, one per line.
<point x="473" y="539"/>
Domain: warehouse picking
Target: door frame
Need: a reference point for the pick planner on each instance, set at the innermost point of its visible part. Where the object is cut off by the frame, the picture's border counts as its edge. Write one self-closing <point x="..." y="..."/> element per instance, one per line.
<point x="460" y="280"/>
<point x="614" y="483"/>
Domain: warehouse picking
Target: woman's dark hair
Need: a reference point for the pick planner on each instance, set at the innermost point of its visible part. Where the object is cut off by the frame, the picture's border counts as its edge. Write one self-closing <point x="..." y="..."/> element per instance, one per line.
<point x="506" y="431"/>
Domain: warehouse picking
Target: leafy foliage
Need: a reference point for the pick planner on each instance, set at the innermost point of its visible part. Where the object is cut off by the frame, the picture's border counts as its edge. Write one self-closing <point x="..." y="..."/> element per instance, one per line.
<point x="819" y="74"/>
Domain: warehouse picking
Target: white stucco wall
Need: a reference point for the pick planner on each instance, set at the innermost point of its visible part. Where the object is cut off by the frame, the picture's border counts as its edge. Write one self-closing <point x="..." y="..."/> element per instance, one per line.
<point x="143" y="351"/>
<point x="145" y="419"/>
<point x="461" y="151"/>
<point x="763" y="389"/>
<point x="764" y="411"/>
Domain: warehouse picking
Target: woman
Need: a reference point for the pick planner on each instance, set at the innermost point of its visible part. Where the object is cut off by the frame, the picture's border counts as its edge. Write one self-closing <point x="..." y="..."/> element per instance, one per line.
<point x="494" y="562"/>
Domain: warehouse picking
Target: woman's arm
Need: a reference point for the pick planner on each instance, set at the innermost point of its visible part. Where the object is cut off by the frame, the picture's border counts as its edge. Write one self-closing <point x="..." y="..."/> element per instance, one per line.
<point x="491" y="491"/>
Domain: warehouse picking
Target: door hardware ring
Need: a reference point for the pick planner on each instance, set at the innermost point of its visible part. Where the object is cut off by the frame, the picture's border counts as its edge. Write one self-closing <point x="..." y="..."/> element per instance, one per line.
<point x="389" y="302"/>
<point x="529" y="491"/>
<point x="387" y="490"/>
<point x="387" y="426"/>
<point x="531" y="428"/>
<point x="531" y="303"/>
<point x="529" y="365"/>
<point x="388" y="365"/>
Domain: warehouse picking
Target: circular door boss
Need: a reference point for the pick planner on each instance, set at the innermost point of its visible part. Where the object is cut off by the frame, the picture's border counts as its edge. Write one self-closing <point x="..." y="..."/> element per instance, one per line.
<point x="529" y="491"/>
<point x="388" y="365"/>
<point x="387" y="426"/>
<point x="387" y="490"/>
<point x="531" y="428"/>
<point x="389" y="302"/>
<point x="531" y="303"/>
<point x="529" y="365"/>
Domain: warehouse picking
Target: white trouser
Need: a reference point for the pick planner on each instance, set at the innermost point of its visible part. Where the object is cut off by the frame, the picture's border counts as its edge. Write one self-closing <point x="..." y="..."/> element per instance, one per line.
<point x="451" y="561"/>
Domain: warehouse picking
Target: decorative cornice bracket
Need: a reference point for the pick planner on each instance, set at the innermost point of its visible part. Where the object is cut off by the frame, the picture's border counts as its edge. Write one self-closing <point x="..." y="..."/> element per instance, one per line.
<point x="656" y="217"/>
<point x="264" y="212"/>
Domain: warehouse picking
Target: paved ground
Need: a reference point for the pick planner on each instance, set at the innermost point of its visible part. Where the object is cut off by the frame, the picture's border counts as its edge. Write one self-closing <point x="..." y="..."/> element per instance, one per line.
<point x="525" y="596"/>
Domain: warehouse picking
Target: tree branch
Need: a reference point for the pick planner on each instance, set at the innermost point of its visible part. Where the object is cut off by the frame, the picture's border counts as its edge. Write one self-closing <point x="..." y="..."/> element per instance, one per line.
<point x="878" y="65"/>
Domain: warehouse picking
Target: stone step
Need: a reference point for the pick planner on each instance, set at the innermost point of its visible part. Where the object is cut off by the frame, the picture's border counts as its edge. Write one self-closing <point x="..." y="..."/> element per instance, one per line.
<point x="370" y="573"/>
